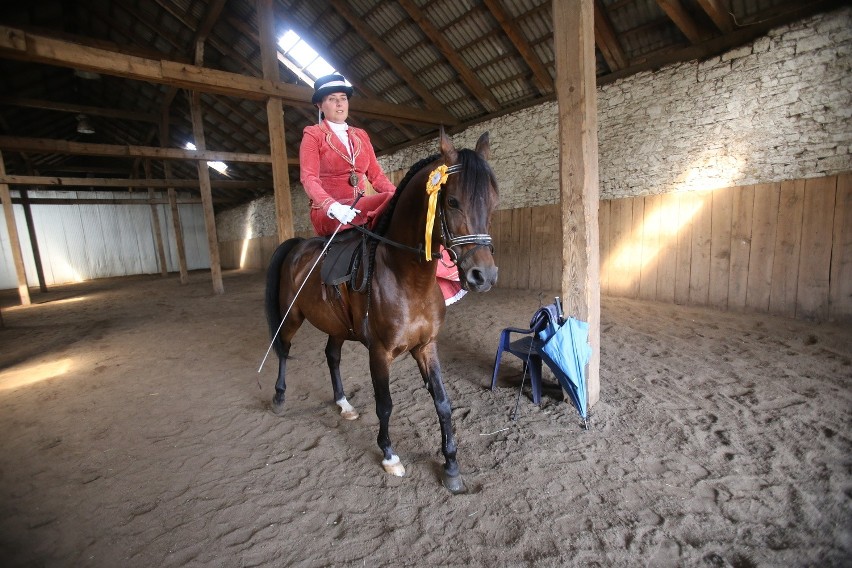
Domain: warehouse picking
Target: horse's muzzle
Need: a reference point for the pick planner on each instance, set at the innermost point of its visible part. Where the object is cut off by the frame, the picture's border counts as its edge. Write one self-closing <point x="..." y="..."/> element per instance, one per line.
<point x="480" y="278"/>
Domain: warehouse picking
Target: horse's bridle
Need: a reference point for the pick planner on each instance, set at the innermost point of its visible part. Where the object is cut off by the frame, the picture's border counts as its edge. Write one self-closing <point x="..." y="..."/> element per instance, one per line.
<point x="450" y="241"/>
<point x="447" y="238"/>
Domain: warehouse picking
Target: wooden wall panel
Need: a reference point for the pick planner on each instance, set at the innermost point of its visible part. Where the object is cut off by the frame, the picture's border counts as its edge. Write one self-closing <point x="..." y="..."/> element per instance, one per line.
<point x="840" y="291"/>
<point x="632" y="260"/>
<point x="720" y="247"/>
<point x="762" y="255"/>
<point x="788" y="238"/>
<point x="621" y="222"/>
<point x="699" y="270"/>
<point x="667" y="253"/>
<point x="650" y="248"/>
<point x="604" y="236"/>
<point x="688" y="205"/>
<point x="815" y="257"/>
<point x="741" y="240"/>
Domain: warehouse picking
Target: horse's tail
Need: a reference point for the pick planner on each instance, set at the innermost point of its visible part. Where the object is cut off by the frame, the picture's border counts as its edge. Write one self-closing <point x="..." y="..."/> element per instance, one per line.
<point x="273" y="289"/>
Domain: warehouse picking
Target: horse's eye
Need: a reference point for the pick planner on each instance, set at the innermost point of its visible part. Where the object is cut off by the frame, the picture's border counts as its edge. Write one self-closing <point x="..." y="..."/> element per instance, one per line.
<point x="453" y="202"/>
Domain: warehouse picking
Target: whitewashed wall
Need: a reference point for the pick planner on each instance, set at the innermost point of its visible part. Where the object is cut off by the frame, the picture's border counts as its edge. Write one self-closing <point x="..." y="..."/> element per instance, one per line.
<point x="81" y="242"/>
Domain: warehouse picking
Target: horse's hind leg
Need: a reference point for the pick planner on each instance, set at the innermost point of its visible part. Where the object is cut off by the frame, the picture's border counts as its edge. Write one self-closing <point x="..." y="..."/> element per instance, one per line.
<point x="288" y="330"/>
<point x="430" y="367"/>
<point x="332" y="356"/>
<point x="280" y="383"/>
<point x="380" y="372"/>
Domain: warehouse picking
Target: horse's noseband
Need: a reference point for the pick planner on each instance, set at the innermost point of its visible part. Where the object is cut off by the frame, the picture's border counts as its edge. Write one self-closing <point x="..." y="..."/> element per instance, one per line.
<point x="450" y="240"/>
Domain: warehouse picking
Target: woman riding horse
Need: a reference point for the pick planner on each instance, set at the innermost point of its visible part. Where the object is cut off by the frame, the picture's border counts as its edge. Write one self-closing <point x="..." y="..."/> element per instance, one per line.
<point x="444" y="200"/>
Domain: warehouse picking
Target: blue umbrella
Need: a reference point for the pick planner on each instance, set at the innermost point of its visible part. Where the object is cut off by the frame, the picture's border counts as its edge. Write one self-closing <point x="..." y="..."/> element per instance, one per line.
<point x="564" y="346"/>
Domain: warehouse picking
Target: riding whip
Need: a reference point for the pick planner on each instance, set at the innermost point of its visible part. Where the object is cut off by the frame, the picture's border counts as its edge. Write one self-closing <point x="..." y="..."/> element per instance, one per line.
<point x="305" y="281"/>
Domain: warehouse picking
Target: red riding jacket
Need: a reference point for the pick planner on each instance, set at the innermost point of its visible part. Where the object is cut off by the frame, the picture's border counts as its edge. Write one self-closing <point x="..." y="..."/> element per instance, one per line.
<point x="325" y="173"/>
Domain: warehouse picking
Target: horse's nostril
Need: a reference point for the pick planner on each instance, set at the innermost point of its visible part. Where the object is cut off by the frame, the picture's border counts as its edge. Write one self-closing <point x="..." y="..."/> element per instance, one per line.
<point x="475" y="277"/>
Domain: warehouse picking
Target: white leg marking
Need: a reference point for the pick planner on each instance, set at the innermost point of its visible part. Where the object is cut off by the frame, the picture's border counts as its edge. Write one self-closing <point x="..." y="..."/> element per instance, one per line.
<point x="393" y="466"/>
<point x="347" y="412"/>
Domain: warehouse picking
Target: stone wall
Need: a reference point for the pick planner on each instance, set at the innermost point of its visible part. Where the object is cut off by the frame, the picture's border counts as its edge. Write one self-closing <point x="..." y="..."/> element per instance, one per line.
<point x="777" y="109"/>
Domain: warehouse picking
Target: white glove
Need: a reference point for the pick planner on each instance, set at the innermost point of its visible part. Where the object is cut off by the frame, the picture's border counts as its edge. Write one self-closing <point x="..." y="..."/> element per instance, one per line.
<point x="342" y="213"/>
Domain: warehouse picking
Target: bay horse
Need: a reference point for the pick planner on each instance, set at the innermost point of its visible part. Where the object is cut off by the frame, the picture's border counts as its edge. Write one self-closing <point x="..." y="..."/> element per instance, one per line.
<point x="402" y="308"/>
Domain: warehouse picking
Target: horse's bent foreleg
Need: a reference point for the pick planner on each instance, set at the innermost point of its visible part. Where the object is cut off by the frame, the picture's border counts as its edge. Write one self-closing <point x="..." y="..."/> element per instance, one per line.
<point x="332" y="357"/>
<point x="380" y="372"/>
<point x="430" y="367"/>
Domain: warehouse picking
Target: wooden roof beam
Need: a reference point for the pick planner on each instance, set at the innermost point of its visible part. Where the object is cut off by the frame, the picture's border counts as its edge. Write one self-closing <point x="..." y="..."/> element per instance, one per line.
<point x="606" y="39"/>
<point x="685" y="23"/>
<point x="720" y="15"/>
<point x="77" y="109"/>
<point x="541" y="77"/>
<point x="395" y="63"/>
<point x="50" y="181"/>
<point x="474" y="85"/>
<point x="48" y="146"/>
<point x="18" y="44"/>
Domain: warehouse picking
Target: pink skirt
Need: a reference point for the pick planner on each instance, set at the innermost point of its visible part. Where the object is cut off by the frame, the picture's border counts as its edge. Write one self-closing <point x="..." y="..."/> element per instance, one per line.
<point x="448" y="279"/>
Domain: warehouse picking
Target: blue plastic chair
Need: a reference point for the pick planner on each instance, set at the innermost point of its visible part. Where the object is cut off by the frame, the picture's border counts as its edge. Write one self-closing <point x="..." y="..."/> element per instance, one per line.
<point x="525" y="349"/>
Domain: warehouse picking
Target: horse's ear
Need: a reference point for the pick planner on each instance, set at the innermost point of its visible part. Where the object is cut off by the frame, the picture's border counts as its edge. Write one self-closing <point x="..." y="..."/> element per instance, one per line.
<point x="483" y="146"/>
<point x="447" y="148"/>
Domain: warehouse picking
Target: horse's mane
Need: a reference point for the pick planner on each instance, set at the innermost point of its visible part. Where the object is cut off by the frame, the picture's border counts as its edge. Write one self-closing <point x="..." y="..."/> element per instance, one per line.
<point x="383" y="222"/>
<point x="470" y="170"/>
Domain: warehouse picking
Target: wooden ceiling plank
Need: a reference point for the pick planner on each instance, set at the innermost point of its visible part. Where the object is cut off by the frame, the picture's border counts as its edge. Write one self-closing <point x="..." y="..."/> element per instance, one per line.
<point x="477" y="88"/>
<point x="541" y="77"/>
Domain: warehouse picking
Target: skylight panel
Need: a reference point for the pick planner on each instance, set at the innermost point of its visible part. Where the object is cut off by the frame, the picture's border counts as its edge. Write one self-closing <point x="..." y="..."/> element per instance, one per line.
<point x="220" y="167"/>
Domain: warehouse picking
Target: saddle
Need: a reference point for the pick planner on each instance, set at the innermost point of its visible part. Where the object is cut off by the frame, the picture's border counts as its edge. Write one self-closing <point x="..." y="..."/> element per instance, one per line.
<point x="343" y="259"/>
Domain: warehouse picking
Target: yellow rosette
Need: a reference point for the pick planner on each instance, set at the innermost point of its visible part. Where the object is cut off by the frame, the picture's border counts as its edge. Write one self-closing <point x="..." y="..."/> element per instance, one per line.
<point x="433" y="185"/>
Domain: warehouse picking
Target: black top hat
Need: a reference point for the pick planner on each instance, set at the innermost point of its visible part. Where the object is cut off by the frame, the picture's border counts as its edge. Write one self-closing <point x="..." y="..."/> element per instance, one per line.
<point x="330" y="84"/>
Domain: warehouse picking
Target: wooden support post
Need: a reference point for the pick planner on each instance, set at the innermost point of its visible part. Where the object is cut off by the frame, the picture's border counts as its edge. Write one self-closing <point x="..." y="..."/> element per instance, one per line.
<point x="167" y="172"/>
<point x="275" y="117"/>
<point x="14" y="240"/>
<point x="155" y="224"/>
<point x="573" y="38"/>
<point x="28" y="215"/>
<point x="206" y="194"/>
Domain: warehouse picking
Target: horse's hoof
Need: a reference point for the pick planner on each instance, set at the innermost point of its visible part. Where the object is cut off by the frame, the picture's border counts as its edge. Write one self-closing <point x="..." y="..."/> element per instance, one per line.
<point x="454" y="485"/>
<point x="349" y="414"/>
<point x="394" y="466"/>
<point x="277" y="407"/>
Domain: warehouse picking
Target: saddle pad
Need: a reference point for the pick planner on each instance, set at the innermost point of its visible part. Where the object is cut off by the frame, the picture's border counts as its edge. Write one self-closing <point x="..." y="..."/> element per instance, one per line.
<point x="337" y="264"/>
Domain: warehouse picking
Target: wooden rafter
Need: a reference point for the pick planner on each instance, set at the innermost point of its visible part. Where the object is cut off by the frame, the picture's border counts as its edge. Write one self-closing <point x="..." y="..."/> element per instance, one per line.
<point x="607" y="40"/>
<point x="471" y="81"/>
<point x="388" y="56"/>
<point x="682" y="19"/>
<point x="48" y="146"/>
<point x="75" y="109"/>
<point x="126" y="183"/>
<point x="719" y="13"/>
<point x="541" y="77"/>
